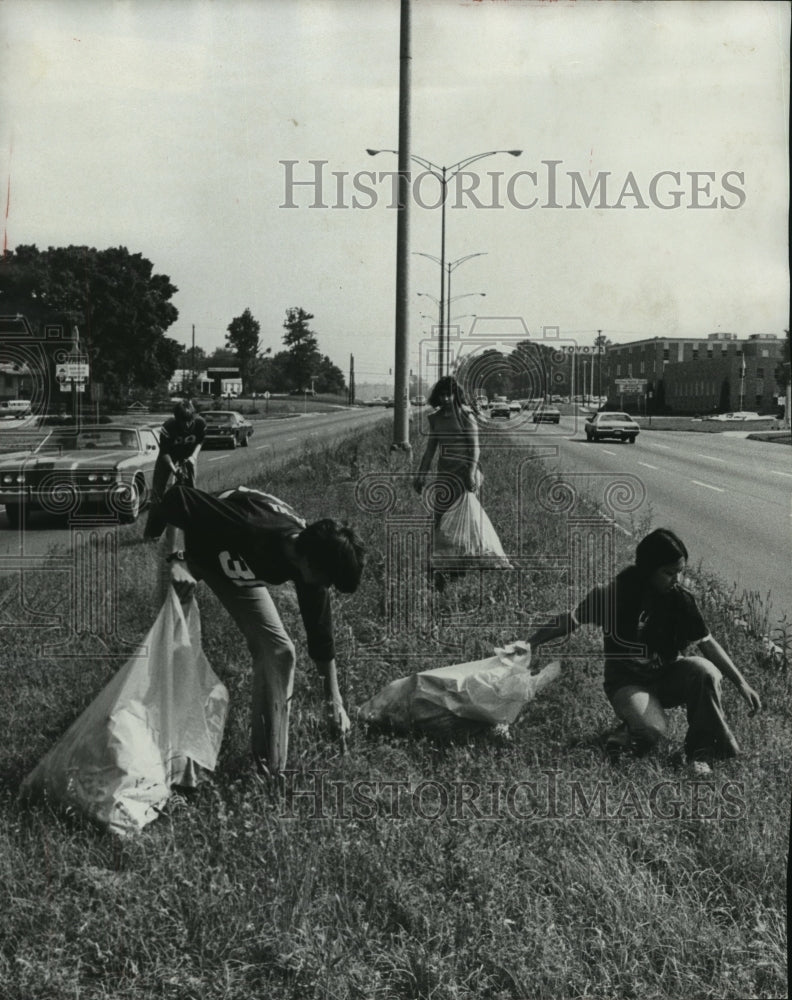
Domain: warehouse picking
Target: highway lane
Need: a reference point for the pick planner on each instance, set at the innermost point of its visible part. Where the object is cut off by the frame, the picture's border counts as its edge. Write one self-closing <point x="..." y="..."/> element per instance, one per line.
<point x="729" y="498"/>
<point x="273" y="442"/>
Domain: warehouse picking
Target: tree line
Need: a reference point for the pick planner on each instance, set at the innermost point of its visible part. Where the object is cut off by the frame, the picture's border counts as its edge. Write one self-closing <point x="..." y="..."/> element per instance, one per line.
<point x="123" y="310"/>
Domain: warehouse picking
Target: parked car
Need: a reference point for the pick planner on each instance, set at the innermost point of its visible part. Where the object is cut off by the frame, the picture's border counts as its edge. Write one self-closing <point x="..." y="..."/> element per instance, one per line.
<point x="109" y="466"/>
<point x="226" y="427"/>
<point x="482" y="402"/>
<point x="739" y="415"/>
<point x="546" y="414"/>
<point x="607" y="424"/>
<point x="515" y="406"/>
<point x="419" y="401"/>
<point x="500" y="408"/>
<point x="15" y="408"/>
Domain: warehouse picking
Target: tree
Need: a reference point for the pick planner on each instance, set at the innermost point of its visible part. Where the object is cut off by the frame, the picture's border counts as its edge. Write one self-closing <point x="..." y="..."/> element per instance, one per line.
<point x="243" y="339"/>
<point x="189" y="360"/>
<point x="782" y="370"/>
<point x="329" y="377"/>
<point x="121" y="306"/>
<point x="221" y="357"/>
<point x="301" y="346"/>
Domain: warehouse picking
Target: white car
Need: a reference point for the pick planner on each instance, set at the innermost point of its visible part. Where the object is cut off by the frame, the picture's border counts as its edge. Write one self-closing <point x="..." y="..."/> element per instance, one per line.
<point x="15" y="408"/>
<point x="605" y="424"/>
<point x="499" y="407"/>
<point x="739" y="415"/>
<point x="515" y="406"/>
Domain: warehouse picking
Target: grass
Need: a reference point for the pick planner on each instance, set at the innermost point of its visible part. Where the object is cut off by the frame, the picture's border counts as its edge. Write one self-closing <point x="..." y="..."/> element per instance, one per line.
<point x="409" y="867"/>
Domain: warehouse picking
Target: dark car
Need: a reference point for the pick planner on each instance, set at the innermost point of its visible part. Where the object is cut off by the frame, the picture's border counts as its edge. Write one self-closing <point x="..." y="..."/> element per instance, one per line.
<point x="226" y="428"/>
<point x="606" y="424"/>
<point x="499" y="407"/>
<point x="546" y="414"/>
<point x="108" y="466"/>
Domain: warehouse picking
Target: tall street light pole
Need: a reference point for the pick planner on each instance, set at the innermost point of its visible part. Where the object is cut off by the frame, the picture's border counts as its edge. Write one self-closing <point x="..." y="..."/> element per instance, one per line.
<point x="401" y="393"/>
<point x="449" y="300"/>
<point x="445" y="306"/>
<point x="444" y="175"/>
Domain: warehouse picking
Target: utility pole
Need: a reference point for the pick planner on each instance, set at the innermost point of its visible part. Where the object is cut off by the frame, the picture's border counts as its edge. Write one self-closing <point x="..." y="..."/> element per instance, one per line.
<point x="192" y="363"/>
<point x="401" y="402"/>
<point x="351" y="379"/>
<point x="599" y="367"/>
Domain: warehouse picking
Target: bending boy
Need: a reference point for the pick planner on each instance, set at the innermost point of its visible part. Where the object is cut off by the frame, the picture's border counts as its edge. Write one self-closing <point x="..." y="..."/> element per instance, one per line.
<point x="239" y="542"/>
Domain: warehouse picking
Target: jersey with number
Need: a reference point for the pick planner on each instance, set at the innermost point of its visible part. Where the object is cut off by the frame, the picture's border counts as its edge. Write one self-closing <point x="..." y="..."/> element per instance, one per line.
<point x="179" y="441"/>
<point x="241" y="534"/>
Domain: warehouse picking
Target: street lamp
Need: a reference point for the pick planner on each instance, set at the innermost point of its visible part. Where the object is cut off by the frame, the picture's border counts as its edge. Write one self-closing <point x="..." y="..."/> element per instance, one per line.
<point x="444" y="175"/>
<point x="455" y="298"/>
<point x="450" y="267"/>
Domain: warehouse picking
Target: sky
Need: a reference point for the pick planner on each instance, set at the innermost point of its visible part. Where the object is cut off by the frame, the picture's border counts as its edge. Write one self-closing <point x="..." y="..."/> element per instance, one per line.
<point x="173" y="128"/>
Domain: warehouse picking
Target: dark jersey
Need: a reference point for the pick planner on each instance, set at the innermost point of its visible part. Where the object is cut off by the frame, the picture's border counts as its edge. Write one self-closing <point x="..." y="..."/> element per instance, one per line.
<point x="241" y="533"/>
<point x="641" y="634"/>
<point x="178" y="441"/>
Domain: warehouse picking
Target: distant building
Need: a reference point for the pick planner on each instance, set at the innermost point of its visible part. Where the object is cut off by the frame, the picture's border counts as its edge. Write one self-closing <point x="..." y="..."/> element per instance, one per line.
<point x="716" y="373"/>
<point x="182" y="379"/>
<point x="15" y="381"/>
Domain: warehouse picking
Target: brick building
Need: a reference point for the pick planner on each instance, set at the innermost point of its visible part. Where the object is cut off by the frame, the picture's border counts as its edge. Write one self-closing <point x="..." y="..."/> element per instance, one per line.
<point x="700" y="375"/>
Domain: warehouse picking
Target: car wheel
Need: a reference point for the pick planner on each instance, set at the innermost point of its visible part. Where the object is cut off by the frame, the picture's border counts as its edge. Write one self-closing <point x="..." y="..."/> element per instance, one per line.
<point x="589" y="436"/>
<point x="131" y="502"/>
<point x="16" y="515"/>
<point x="234" y="441"/>
<point x="631" y="439"/>
<point x="245" y="440"/>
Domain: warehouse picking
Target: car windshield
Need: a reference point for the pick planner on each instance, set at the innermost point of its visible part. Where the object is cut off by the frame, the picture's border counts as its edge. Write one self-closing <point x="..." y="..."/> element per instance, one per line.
<point x="615" y="416"/>
<point x="91" y="438"/>
<point x="221" y="418"/>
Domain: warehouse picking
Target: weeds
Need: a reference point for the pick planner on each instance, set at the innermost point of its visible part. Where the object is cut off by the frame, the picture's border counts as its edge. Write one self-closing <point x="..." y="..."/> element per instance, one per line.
<point x="527" y="868"/>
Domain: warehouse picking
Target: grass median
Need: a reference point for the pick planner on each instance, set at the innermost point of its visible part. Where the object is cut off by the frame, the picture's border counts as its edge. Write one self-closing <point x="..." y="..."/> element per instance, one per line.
<point x="409" y="867"/>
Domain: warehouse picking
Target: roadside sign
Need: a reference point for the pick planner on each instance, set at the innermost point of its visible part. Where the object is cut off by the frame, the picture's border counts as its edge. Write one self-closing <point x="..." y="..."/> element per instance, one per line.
<point x="631" y="385"/>
<point x="266" y="395"/>
<point x="77" y="370"/>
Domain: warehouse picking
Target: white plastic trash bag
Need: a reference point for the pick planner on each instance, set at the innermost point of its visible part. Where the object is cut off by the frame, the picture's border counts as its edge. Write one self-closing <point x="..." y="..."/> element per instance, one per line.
<point x="466" y="532"/>
<point x="156" y="724"/>
<point x="491" y="692"/>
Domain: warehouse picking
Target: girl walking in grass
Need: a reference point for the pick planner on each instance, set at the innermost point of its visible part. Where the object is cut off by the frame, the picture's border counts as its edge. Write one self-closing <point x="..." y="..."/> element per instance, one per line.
<point x="453" y="436"/>
<point x="648" y="620"/>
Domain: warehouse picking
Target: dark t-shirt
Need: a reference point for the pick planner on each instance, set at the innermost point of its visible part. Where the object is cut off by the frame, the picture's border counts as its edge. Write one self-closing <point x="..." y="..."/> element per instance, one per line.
<point x="178" y="441"/>
<point x="642" y="633"/>
<point x="241" y="534"/>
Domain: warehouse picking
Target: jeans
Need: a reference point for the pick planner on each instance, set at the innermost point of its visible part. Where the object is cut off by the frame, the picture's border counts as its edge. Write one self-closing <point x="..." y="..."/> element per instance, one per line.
<point x="254" y="612"/>
<point x="691" y="681"/>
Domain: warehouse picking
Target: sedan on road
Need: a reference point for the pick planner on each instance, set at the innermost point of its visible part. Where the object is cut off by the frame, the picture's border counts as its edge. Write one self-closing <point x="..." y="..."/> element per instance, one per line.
<point x="619" y="426"/>
<point x="108" y="466"/>
<point x="739" y="416"/>
<point x="499" y="408"/>
<point x="546" y="414"/>
<point x="226" y="428"/>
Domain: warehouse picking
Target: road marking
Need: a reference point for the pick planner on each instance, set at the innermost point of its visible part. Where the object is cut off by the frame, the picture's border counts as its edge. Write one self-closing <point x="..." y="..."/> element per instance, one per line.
<point x="261" y="447"/>
<point x="218" y="458"/>
<point x="608" y="452"/>
<point x="775" y="472"/>
<point x="666" y="446"/>
<point x="711" y="457"/>
<point x="707" y="486"/>
<point x="646" y="465"/>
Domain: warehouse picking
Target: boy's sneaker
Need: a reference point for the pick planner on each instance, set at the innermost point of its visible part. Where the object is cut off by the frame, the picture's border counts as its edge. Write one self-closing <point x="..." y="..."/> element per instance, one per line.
<point x="699" y="769"/>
